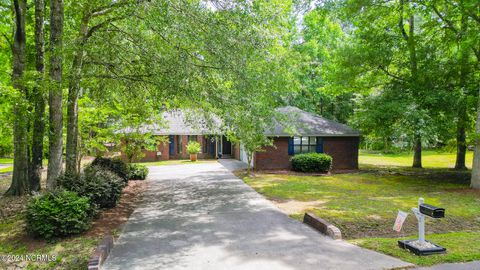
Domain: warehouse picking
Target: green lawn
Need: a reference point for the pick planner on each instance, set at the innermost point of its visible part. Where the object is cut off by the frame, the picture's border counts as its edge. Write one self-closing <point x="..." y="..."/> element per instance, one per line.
<point x="364" y="205"/>
<point x="7" y="169"/>
<point x="10" y="161"/>
<point x="461" y="247"/>
<point x="6" y="160"/>
<point x="176" y="162"/>
<point x="430" y="159"/>
<point x="71" y="253"/>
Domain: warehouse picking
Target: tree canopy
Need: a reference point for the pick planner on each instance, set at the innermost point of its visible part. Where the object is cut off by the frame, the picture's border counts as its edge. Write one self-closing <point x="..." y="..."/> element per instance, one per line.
<point x="404" y="72"/>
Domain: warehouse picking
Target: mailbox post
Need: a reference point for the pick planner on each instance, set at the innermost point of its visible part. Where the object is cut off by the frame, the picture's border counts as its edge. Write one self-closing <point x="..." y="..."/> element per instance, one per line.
<point x="421" y="222"/>
<point x="421" y="246"/>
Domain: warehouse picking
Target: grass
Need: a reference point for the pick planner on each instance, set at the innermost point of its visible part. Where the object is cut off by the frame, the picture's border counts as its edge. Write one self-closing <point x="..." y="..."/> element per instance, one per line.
<point x="364" y="205"/>
<point x="461" y="247"/>
<point x="6" y="160"/>
<point x="430" y="159"/>
<point x="6" y="169"/>
<point x="176" y="162"/>
<point x="68" y="253"/>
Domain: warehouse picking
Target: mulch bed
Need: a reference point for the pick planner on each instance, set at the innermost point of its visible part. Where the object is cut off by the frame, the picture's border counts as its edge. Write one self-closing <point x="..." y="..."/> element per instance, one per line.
<point x="111" y="220"/>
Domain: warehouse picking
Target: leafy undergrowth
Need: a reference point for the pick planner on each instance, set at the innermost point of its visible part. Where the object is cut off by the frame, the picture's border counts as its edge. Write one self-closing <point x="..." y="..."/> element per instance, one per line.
<point x="461" y="247"/>
<point x="365" y="204"/>
<point x="70" y="252"/>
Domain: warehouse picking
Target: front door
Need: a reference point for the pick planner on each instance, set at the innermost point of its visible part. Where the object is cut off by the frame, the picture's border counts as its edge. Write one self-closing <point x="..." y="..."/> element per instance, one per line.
<point x="226" y="146"/>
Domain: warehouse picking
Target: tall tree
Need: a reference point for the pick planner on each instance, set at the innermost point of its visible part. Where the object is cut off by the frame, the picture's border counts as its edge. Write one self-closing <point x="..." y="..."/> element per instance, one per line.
<point x="20" y="184"/>
<point x="38" y="98"/>
<point x="475" y="180"/>
<point x="55" y="93"/>
<point x="414" y="83"/>
<point x="102" y="14"/>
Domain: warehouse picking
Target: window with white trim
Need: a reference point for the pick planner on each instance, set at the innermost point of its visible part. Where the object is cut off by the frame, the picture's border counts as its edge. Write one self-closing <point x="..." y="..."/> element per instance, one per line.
<point x="304" y="145"/>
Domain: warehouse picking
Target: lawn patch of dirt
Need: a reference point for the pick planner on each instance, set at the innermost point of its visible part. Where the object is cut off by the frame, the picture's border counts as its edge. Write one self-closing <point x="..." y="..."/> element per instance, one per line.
<point x="291" y="207"/>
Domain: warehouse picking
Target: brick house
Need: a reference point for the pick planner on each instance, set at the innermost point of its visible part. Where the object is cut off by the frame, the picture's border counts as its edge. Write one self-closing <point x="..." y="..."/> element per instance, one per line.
<point x="312" y="134"/>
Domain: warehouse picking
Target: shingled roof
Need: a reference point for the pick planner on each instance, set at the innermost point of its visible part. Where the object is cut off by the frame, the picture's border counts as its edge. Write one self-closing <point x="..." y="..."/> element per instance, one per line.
<point x="302" y="123"/>
<point x="178" y="122"/>
<point x="309" y="124"/>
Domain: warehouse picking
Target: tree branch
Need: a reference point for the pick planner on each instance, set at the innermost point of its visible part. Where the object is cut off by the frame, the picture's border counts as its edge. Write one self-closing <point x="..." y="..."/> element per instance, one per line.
<point x="8" y="40"/>
<point x="400" y="22"/>
<point x="95" y="28"/>
<point x="447" y="21"/>
<point x="99" y="11"/>
<point x="385" y="70"/>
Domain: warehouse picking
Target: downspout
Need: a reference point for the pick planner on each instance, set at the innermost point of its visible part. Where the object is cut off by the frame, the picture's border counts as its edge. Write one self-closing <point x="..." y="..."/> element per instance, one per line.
<point x="216" y="147"/>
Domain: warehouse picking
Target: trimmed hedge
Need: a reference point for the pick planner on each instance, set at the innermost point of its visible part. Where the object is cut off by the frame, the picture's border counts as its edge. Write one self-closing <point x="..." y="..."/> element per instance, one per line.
<point x="58" y="213"/>
<point x="311" y="162"/>
<point x="100" y="185"/>
<point x="137" y="172"/>
<point x="115" y="165"/>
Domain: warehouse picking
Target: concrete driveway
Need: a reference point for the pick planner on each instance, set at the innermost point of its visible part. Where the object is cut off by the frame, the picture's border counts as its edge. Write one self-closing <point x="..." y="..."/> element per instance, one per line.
<point x="201" y="216"/>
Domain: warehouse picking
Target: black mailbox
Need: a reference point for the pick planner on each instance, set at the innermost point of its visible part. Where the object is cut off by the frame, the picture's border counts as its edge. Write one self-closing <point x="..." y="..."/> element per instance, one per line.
<point x="432" y="211"/>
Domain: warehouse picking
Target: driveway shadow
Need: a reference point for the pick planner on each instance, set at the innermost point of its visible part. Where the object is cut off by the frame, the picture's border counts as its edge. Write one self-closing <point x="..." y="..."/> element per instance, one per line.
<point x="203" y="217"/>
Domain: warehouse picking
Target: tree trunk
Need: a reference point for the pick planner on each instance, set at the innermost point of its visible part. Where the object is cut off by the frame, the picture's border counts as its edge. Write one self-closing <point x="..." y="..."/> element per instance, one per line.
<point x="249" y="161"/>
<point x="39" y="99"/>
<point x="79" y="156"/>
<point x="73" y="92"/>
<point x="417" y="155"/>
<point x="461" y="138"/>
<point x="72" y="123"/>
<point x="414" y="83"/>
<point x="475" y="180"/>
<point x="20" y="185"/>
<point x="55" y="94"/>
<point x="462" y="112"/>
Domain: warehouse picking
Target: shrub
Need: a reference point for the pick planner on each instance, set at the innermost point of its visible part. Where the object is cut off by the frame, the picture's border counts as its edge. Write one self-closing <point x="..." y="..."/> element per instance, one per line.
<point x="137" y="172"/>
<point x="115" y="165"/>
<point x="103" y="187"/>
<point x="100" y="185"/>
<point x="58" y="213"/>
<point x="71" y="182"/>
<point x="193" y="147"/>
<point x="311" y="162"/>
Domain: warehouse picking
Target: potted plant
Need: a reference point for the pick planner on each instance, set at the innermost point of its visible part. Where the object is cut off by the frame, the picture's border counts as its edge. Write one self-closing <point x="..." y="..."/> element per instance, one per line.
<point x="193" y="148"/>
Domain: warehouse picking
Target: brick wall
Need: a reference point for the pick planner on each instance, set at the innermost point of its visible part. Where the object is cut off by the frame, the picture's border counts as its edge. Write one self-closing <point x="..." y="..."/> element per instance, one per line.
<point x="274" y="157"/>
<point x="164" y="149"/>
<point x="344" y="151"/>
<point x="236" y="151"/>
